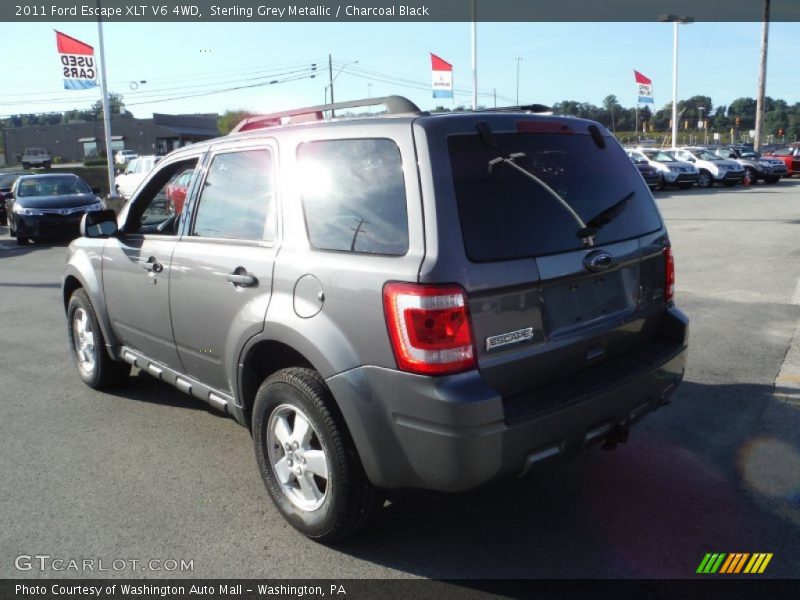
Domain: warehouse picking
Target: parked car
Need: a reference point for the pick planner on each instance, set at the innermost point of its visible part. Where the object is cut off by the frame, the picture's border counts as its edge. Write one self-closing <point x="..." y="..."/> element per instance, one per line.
<point x="712" y="168"/>
<point x="367" y="342"/>
<point x="177" y="188"/>
<point x="7" y="179"/>
<point x="134" y="174"/>
<point x="765" y="168"/>
<point x="790" y="155"/>
<point x="36" y="157"/>
<point x="673" y="172"/>
<point x="49" y="205"/>
<point x="651" y="175"/>
<point x="123" y="157"/>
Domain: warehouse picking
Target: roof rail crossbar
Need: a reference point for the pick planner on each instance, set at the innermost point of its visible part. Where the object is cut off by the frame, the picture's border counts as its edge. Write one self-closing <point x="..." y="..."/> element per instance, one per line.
<point x="394" y="105"/>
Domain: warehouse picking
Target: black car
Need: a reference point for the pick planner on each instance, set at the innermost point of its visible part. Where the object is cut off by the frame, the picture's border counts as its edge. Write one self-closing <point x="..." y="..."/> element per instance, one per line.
<point x="48" y="205"/>
<point x="651" y="175"/>
<point x="6" y="181"/>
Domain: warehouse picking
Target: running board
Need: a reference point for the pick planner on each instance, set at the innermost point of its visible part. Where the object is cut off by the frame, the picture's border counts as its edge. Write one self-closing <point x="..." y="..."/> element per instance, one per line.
<point x="219" y="400"/>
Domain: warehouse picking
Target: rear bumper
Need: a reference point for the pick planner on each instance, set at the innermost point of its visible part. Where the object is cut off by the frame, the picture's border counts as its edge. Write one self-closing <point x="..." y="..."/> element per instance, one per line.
<point x="454" y="433"/>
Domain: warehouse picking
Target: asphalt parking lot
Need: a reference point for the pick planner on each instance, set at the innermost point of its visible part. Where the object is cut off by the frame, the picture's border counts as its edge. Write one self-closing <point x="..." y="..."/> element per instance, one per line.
<point x="149" y="473"/>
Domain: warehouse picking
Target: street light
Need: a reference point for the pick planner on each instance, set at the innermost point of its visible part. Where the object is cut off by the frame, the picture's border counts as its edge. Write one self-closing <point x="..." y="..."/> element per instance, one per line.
<point x="519" y="60"/>
<point x="675" y="20"/>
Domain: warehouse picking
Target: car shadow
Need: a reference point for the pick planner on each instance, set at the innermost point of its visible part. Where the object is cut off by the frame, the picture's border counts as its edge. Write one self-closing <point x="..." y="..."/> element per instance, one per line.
<point x="9" y="247"/>
<point x="142" y="387"/>
<point x="651" y="508"/>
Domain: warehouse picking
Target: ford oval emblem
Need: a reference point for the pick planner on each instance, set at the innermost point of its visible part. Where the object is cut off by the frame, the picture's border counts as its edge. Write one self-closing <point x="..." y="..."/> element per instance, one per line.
<point x="598" y="261"/>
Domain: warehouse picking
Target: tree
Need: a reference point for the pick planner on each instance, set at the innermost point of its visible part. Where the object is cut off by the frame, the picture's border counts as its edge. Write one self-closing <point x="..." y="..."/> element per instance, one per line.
<point x="230" y="118"/>
<point x="612" y="106"/>
<point x="745" y="109"/>
<point x="115" y="104"/>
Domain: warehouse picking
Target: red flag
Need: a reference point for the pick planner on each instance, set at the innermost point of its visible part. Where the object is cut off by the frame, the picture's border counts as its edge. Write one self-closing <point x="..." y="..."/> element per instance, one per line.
<point x="440" y="65"/>
<point x="641" y="78"/>
<point x="69" y="45"/>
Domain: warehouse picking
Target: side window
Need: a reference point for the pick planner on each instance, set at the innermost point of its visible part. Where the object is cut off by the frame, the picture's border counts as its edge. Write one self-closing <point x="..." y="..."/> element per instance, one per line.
<point x="158" y="209"/>
<point x="131" y="168"/>
<point x="354" y="196"/>
<point x="238" y="198"/>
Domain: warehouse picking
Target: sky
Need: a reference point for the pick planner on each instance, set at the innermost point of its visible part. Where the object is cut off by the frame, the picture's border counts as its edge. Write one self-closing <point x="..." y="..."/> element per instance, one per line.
<point x="559" y="61"/>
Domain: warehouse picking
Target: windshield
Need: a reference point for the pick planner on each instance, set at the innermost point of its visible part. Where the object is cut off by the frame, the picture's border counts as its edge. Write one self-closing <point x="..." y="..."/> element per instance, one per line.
<point x="7" y="180"/>
<point x="505" y="215"/>
<point x="60" y="185"/>
<point x="706" y="155"/>
<point x="659" y="156"/>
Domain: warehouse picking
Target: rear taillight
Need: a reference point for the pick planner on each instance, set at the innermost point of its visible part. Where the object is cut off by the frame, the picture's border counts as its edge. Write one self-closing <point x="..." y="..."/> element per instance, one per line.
<point x="429" y="328"/>
<point x="669" y="279"/>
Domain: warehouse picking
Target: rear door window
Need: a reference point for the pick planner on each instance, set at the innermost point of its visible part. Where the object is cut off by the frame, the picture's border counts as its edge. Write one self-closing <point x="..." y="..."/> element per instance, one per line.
<point x="354" y="196"/>
<point x="505" y="215"/>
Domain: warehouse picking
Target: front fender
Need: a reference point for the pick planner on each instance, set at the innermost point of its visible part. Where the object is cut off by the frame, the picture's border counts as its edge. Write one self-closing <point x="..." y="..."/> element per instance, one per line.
<point x="84" y="269"/>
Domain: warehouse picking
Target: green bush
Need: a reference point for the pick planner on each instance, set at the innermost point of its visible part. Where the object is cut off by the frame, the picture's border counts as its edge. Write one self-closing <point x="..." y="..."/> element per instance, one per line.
<point x="57" y="160"/>
<point x="95" y="162"/>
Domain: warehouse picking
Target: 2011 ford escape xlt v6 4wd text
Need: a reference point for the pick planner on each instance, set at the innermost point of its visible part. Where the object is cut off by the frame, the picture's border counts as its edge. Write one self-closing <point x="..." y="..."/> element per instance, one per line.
<point x="408" y="300"/>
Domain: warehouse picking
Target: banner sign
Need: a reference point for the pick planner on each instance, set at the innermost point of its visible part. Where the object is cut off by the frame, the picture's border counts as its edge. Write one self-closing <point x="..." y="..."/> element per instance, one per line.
<point x="78" y="64"/>
<point x="442" y="77"/>
<point x="645" y="88"/>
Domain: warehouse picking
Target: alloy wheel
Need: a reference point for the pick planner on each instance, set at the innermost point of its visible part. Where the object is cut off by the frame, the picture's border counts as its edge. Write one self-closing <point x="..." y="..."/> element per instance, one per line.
<point x="297" y="457"/>
<point x="83" y="340"/>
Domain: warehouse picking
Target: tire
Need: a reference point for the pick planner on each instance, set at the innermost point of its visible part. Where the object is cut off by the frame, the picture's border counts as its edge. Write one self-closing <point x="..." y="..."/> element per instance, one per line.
<point x="729" y="183"/>
<point x="26" y="166"/>
<point x="685" y="185"/>
<point x="47" y="165"/>
<point x="704" y="179"/>
<point x="21" y="240"/>
<point x="772" y="179"/>
<point x="337" y="498"/>
<point x="11" y="230"/>
<point x="103" y="372"/>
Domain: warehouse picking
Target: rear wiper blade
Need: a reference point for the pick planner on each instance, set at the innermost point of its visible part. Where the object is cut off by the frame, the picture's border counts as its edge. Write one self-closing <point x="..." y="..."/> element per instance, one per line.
<point x="510" y="160"/>
<point x="599" y="221"/>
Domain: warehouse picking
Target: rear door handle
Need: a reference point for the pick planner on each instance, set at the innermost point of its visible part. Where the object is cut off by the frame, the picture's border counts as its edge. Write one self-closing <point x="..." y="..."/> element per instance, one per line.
<point x="153" y="265"/>
<point x="241" y="278"/>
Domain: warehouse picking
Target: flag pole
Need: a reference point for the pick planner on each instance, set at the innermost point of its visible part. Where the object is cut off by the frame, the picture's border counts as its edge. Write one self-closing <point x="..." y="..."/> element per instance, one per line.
<point x="474" y="56"/>
<point x="106" y="112"/>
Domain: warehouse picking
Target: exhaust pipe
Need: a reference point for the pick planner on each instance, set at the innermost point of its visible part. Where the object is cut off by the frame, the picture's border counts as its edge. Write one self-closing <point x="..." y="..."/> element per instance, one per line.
<point x="619" y="435"/>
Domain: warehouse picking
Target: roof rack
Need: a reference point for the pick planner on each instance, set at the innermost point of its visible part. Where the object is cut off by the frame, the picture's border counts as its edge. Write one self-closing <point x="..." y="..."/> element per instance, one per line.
<point x="395" y="105"/>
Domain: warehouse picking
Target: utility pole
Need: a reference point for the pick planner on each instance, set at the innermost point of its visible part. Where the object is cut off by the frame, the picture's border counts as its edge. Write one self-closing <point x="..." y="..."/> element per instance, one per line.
<point x="474" y="29"/>
<point x="762" y="79"/>
<point x="330" y="78"/>
<point x="519" y="60"/>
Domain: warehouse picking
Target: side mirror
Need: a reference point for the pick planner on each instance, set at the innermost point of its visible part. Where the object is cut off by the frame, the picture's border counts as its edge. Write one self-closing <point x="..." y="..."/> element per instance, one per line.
<point x="99" y="224"/>
<point x="8" y="196"/>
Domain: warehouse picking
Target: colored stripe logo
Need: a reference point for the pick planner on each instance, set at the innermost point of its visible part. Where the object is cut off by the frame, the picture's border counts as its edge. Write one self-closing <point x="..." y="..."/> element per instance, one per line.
<point x="734" y="563"/>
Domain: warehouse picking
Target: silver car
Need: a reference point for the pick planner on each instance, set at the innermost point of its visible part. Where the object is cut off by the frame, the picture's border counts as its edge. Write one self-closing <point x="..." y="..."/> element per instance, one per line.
<point x="409" y="300"/>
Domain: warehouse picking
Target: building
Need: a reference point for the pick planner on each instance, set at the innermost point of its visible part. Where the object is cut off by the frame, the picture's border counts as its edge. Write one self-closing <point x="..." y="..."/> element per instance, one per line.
<point x="74" y="142"/>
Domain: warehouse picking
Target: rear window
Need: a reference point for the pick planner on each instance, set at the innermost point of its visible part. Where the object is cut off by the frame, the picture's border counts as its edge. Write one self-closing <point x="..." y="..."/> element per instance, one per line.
<point x="505" y="215"/>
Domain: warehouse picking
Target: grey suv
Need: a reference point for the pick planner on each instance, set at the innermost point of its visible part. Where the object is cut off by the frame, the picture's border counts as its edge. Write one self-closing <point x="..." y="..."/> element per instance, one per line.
<point x="410" y="300"/>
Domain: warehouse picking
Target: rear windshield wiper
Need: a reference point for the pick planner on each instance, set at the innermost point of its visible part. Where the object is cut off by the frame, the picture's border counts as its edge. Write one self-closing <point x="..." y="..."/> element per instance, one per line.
<point x="588" y="238"/>
<point x="596" y="223"/>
